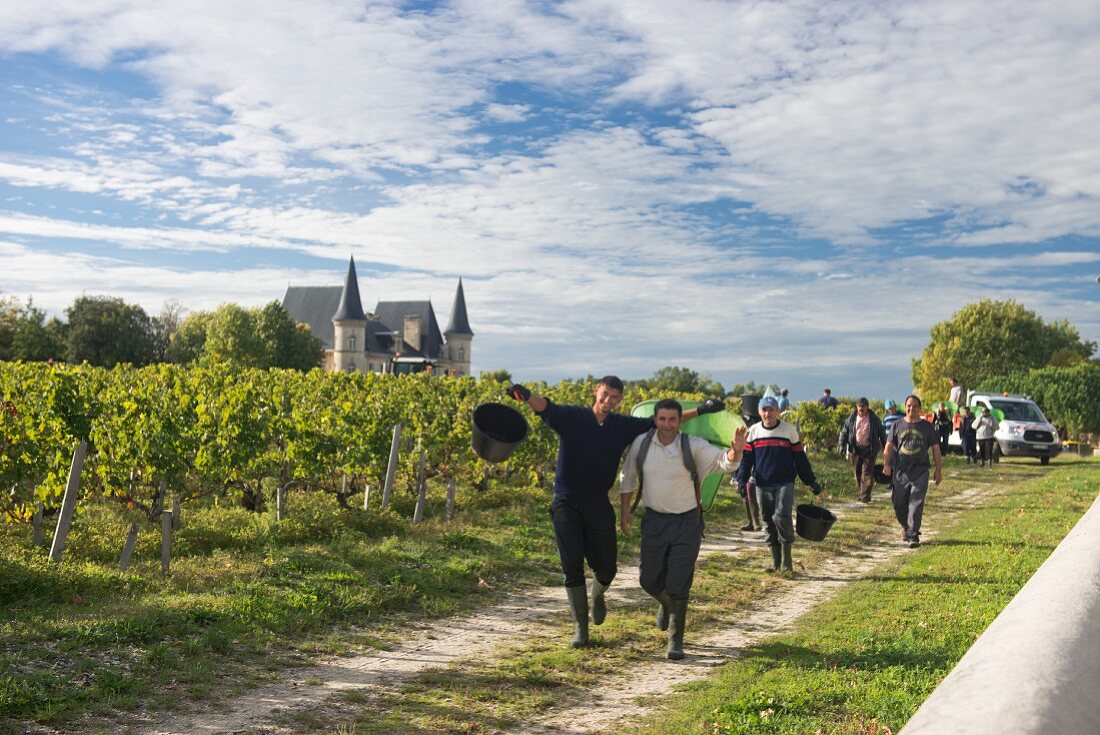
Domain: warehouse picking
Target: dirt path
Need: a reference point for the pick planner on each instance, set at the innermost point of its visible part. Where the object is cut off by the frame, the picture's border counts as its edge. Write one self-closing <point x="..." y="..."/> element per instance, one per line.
<point x="441" y="643"/>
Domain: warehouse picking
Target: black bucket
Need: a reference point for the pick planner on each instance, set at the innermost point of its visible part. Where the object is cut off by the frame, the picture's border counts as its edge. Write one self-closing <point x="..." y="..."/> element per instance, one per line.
<point x="880" y="477"/>
<point x="812" y="522"/>
<point x="497" y="430"/>
<point x="750" y="409"/>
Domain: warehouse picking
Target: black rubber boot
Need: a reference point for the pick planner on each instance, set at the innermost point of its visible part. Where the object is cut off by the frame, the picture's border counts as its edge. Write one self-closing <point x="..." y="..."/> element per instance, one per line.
<point x="663" y="605"/>
<point x="676" y="619"/>
<point x="777" y="559"/>
<point x="788" y="566"/>
<point x="748" y="511"/>
<point x="754" y="514"/>
<point x="578" y="606"/>
<point x="599" y="607"/>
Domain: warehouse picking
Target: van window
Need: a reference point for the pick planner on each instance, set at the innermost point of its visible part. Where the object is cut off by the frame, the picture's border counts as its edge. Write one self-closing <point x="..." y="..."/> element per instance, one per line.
<point x="1019" y="411"/>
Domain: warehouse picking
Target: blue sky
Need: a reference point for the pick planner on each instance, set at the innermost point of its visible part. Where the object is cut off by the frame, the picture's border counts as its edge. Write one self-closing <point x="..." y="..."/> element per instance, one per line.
<point x="780" y="192"/>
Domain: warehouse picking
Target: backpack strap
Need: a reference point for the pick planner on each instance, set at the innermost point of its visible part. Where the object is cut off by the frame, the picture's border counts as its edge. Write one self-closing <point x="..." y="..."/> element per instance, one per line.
<point x="689" y="465"/>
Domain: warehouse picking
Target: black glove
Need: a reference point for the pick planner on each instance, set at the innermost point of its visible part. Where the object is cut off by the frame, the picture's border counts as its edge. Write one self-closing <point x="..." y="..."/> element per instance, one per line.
<point x="711" y="405"/>
<point x="519" y="393"/>
<point x="816" y="488"/>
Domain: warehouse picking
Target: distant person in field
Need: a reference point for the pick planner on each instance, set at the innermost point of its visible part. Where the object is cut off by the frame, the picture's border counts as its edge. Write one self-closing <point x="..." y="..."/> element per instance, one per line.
<point x="827" y="399"/>
<point x="968" y="437"/>
<point x="861" y="436"/>
<point x="774" y="454"/>
<point x="984" y="428"/>
<point x="942" y="421"/>
<point x="591" y="441"/>
<point x="784" y="401"/>
<point x="891" y="415"/>
<point x="956" y="393"/>
<point x="664" y="466"/>
<point x="906" y="463"/>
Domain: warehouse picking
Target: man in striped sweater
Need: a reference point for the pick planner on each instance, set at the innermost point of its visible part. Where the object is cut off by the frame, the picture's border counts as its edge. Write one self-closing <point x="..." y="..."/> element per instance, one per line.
<point x="774" y="454"/>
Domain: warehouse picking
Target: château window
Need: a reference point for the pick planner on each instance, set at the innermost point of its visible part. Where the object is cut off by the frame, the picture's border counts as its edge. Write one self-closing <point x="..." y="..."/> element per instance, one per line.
<point x="462" y="354"/>
<point x="351" y="342"/>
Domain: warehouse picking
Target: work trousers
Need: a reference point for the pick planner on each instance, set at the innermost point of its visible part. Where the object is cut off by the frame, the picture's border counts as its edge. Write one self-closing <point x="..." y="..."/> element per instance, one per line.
<point x="909" y="491"/>
<point x="670" y="547"/>
<point x="863" y="462"/>
<point x="584" y="528"/>
<point x="986" y="448"/>
<point x="776" y="504"/>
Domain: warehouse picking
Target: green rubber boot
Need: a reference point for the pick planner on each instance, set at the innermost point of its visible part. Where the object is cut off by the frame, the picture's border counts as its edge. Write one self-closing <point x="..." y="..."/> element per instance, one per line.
<point x="777" y="559"/>
<point x="676" y="619"/>
<point x="788" y="565"/>
<point x="578" y="606"/>
<point x="662" y="610"/>
<point x="599" y="607"/>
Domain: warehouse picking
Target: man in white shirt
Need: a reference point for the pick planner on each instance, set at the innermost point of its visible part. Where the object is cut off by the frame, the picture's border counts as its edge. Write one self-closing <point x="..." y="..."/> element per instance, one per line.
<point x="672" y="527"/>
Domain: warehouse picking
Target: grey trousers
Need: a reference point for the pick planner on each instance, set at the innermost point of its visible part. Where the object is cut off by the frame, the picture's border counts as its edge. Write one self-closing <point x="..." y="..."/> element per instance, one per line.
<point x="908" y="495"/>
<point x="670" y="547"/>
<point x="776" y="506"/>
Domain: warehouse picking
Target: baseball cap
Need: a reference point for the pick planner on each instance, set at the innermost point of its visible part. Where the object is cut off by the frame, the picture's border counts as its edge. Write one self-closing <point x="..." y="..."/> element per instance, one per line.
<point x="890" y="403"/>
<point x="769" y="402"/>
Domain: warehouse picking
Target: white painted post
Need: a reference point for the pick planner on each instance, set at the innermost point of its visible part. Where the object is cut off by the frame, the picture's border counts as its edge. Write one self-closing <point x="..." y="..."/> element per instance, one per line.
<point x="165" y="540"/>
<point x="128" y="548"/>
<point x="421" y="487"/>
<point x="450" y="511"/>
<point x="280" y="503"/>
<point x="366" y="495"/>
<point x="68" y="504"/>
<point x="391" y="468"/>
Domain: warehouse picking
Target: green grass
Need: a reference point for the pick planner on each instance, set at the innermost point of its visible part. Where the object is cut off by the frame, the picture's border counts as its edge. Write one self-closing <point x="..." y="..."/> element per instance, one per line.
<point x="248" y="598"/>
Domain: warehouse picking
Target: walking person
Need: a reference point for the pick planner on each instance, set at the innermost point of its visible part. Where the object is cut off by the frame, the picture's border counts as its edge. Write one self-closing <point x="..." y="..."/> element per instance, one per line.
<point x="968" y="436"/>
<point x="861" y="438"/>
<point x="955" y="394"/>
<point x="906" y="463"/>
<point x="775" y="456"/>
<point x="942" y="421"/>
<point x="664" y="466"/>
<point x="984" y="428"/>
<point x="889" y="417"/>
<point x="591" y="441"/>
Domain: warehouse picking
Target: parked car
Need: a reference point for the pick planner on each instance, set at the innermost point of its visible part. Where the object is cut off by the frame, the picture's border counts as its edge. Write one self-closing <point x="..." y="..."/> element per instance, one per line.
<point x="1023" y="432"/>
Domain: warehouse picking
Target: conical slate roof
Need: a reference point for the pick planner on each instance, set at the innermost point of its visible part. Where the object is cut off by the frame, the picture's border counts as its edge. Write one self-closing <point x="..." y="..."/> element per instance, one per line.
<point x="350" y="305"/>
<point x="460" y="323"/>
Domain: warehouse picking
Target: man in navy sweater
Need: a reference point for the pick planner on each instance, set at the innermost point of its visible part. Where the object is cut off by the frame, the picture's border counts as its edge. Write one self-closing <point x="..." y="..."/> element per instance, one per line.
<point x="774" y="454"/>
<point x="591" y="441"/>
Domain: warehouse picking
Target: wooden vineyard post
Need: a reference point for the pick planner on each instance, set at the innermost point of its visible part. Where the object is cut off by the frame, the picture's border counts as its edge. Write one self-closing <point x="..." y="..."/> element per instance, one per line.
<point x="366" y="495"/>
<point x="280" y="503"/>
<point x="391" y="468"/>
<point x="38" y="532"/>
<point x="450" y="511"/>
<point x="165" y="540"/>
<point x="128" y="548"/>
<point x="421" y="487"/>
<point x="68" y="504"/>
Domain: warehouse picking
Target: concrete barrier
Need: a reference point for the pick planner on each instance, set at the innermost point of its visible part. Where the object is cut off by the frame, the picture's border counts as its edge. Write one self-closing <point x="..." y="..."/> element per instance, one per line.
<point x="1036" y="669"/>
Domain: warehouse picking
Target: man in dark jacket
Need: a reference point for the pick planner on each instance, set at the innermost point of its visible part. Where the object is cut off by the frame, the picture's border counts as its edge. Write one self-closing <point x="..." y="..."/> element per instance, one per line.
<point x="862" y="436"/>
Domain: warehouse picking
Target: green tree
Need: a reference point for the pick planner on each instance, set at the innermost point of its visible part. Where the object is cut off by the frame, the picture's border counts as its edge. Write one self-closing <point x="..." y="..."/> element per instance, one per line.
<point x="753" y="389"/>
<point x="285" y="344"/>
<point x="187" y="344"/>
<point x="681" y="380"/>
<point x="992" y="338"/>
<point x="107" y="331"/>
<point x="500" y="375"/>
<point x="35" y="339"/>
<point x="263" y="338"/>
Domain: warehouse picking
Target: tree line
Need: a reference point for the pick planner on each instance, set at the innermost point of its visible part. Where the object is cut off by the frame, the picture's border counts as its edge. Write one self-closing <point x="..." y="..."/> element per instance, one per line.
<point x="106" y="331"/>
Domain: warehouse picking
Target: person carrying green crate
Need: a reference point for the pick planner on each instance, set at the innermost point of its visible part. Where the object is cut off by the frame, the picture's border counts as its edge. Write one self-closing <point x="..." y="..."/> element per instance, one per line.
<point x="664" y="466"/>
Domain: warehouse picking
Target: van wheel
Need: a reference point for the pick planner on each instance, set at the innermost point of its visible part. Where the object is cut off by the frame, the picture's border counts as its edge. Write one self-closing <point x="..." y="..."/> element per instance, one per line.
<point x="1044" y="460"/>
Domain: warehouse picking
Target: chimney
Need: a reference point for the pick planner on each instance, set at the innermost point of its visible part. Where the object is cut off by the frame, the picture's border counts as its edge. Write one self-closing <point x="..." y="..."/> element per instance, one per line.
<point x="412" y="331"/>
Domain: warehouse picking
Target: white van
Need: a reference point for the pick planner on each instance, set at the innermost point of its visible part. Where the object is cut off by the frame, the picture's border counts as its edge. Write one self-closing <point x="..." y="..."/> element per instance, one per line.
<point x="1023" y="432"/>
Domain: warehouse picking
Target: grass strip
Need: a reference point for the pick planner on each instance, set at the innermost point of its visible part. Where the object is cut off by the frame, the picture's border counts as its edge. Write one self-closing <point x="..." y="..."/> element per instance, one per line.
<point x="864" y="661"/>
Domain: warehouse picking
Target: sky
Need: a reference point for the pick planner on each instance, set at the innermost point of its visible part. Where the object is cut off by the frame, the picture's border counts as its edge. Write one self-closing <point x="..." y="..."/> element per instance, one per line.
<point x="783" y="192"/>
